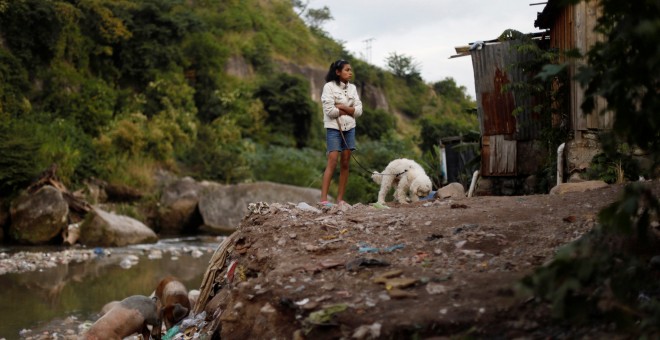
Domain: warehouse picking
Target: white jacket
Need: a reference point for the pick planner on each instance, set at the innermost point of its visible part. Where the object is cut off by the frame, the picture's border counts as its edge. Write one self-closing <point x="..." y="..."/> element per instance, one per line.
<point x="345" y="94"/>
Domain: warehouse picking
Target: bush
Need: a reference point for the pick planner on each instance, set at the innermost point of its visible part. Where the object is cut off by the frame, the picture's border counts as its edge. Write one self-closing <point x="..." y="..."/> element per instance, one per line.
<point x="299" y="167"/>
<point x="18" y="164"/>
<point x="375" y="124"/>
<point x="290" y="109"/>
<point x="614" y="168"/>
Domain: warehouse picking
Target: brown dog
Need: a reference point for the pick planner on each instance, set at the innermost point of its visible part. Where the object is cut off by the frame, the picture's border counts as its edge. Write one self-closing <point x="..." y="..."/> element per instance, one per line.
<point x="173" y="297"/>
<point x="130" y="315"/>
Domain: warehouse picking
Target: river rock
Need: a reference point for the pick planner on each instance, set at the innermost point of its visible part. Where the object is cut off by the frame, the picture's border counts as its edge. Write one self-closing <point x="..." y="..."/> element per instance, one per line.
<point x="577" y="187"/>
<point x="223" y="206"/>
<point x="178" y="211"/>
<point x="39" y="217"/>
<point x="106" y="229"/>
<point x="451" y="190"/>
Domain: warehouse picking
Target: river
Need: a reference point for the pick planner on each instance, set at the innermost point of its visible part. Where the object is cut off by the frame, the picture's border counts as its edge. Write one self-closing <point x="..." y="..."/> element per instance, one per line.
<point x="32" y="300"/>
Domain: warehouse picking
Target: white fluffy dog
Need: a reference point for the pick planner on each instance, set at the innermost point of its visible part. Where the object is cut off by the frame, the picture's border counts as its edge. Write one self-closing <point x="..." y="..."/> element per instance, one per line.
<point x="409" y="178"/>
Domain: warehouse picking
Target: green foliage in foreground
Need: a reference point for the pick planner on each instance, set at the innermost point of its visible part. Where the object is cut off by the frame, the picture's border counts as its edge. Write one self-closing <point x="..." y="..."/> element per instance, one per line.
<point x="612" y="273"/>
<point x="608" y="273"/>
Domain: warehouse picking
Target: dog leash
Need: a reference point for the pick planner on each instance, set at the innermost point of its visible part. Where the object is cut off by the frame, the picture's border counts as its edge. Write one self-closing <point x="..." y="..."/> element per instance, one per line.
<point x="341" y="132"/>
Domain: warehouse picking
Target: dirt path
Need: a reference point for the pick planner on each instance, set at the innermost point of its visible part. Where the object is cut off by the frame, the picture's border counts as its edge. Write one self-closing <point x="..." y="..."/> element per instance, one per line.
<point x="443" y="267"/>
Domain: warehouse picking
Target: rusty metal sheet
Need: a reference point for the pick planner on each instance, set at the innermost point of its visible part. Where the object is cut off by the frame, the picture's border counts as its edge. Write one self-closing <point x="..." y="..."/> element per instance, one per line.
<point x="492" y="70"/>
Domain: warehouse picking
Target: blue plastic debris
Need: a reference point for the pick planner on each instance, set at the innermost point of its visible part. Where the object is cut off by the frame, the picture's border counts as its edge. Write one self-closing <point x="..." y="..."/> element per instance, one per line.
<point x="366" y="248"/>
<point x="429" y="197"/>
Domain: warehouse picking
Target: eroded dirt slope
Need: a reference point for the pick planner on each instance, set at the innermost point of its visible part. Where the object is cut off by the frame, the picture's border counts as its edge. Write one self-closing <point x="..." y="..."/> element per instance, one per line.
<point x="443" y="267"/>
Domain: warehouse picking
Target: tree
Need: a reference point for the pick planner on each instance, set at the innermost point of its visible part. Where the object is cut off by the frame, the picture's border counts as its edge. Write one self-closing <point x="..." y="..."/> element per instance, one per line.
<point x="402" y="65"/>
<point x="300" y="4"/>
<point x="450" y="90"/>
<point x="317" y="17"/>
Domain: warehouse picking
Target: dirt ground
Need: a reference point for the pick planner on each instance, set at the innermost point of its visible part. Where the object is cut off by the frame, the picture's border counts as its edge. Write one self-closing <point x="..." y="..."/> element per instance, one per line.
<point x="429" y="269"/>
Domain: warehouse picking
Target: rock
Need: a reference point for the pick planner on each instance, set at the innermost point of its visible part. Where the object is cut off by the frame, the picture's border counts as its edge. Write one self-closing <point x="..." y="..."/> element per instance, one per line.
<point x="451" y="190"/>
<point x="577" y="187"/>
<point x="223" y="206"/>
<point x="4" y="217"/>
<point x="178" y="211"/>
<point x="39" y="217"/>
<point x="106" y="229"/>
<point x="71" y="234"/>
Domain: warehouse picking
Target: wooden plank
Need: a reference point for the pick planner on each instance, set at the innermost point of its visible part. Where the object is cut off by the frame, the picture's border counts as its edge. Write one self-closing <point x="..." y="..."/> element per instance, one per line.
<point x="502" y="158"/>
<point x="485" y="156"/>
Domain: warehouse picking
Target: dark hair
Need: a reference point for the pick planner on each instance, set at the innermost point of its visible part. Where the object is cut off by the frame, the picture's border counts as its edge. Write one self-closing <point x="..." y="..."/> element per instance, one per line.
<point x="334" y="67"/>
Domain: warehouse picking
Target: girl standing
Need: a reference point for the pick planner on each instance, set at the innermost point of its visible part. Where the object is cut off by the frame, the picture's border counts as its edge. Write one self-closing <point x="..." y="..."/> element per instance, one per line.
<point x="341" y="105"/>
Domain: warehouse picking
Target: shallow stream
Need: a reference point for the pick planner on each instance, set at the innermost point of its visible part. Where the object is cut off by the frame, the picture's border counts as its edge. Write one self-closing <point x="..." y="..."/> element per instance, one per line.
<point x="32" y="300"/>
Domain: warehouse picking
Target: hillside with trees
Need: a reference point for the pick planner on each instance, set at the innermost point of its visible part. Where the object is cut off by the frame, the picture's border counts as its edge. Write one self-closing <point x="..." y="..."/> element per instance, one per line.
<point x="114" y="90"/>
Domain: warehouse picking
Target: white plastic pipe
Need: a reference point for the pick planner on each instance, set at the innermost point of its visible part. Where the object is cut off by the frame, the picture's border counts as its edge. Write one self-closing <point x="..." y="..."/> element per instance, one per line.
<point x="473" y="184"/>
<point x="560" y="163"/>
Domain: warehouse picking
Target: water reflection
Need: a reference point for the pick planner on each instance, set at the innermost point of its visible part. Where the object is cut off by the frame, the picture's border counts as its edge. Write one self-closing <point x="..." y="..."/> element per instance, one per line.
<point x="29" y="300"/>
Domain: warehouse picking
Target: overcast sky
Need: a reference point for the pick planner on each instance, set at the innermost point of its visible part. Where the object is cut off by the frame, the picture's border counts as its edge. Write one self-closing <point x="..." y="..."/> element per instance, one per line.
<point x="426" y="30"/>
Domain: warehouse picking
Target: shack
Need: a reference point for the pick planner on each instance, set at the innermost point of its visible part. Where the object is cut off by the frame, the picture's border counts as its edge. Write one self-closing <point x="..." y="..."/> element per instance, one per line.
<point x="510" y="150"/>
<point x="572" y="27"/>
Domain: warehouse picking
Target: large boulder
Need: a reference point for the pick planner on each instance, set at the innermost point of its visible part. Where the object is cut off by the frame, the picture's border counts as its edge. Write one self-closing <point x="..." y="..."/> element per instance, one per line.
<point x="223" y="206"/>
<point x="106" y="229"/>
<point x="39" y="217"/>
<point x="178" y="211"/>
<point x="451" y="190"/>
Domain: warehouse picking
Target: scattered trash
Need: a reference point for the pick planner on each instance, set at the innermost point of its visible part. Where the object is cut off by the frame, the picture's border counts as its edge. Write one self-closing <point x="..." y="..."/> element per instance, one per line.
<point x="330" y="263"/>
<point x="397" y="293"/>
<point x="420" y="256"/>
<point x="382" y="278"/>
<point x="325" y="316"/>
<point x="261" y="208"/>
<point x="366" y="248"/>
<point x="434" y="237"/>
<point x="430" y="196"/>
<point x="229" y="277"/>
<point x="354" y="265"/>
<point x="171" y="333"/>
<point x="368" y="331"/>
<point x="393" y="248"/>
<point x="379" y="206"/>
<point x="399" y="282"/>
<point x="306" y="207"/>
<point x="268" y="309"/>
<point x="435" y="288"/>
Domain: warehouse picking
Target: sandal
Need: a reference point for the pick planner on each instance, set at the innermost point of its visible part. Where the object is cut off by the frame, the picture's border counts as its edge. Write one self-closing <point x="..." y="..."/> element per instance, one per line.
<point x="326" y="203"/>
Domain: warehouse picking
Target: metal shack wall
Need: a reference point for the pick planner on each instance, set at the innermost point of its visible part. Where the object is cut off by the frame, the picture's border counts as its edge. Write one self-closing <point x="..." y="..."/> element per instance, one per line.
<point x="493" y="68"/>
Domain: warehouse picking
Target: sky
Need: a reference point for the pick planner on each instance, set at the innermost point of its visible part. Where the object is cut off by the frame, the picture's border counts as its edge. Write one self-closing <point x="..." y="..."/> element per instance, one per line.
<point x="426" y="30"/>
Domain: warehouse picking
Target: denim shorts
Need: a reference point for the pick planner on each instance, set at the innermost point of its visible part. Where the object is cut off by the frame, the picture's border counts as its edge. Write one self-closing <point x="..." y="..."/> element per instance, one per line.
<point x="334" y="141"/>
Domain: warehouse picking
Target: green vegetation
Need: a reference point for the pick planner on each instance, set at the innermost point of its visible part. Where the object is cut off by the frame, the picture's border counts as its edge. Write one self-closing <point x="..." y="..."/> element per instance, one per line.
<point x="117" y="89"/>
<point x="610" y="276"/>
